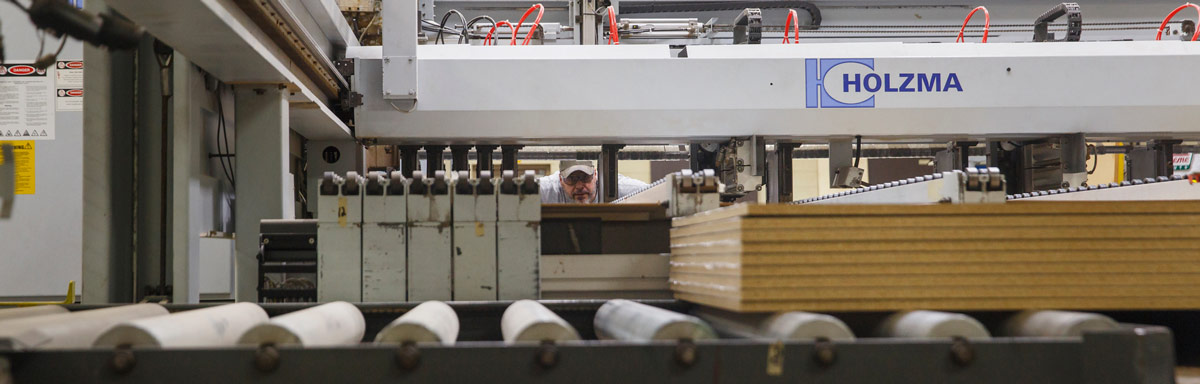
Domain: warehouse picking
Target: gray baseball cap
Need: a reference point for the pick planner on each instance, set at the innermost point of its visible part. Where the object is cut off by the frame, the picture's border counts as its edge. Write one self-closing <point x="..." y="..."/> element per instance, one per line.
<point x="567" y="167"/>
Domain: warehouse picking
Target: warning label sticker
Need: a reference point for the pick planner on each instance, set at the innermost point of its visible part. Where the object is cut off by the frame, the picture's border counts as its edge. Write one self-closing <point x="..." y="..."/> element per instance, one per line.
<point x="68" y="74"/>
<point x="25" y="166"/>
<point x="69" y="99"/>
<point x="68" y="82"/>
<point x="26" y="103"/>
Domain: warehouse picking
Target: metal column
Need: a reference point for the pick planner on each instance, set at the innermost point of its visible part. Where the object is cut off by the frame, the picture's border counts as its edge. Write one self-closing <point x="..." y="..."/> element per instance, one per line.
<point x="779" y="179"/>
<point x="409" y="159"/>
<point x="483" y="159"/>
<point x="609" y="189"/>
<point x="508" y="157"/>
<point x="262" y="141"/>
<point x="459" y="158"/>
<point x="433" y="158"/>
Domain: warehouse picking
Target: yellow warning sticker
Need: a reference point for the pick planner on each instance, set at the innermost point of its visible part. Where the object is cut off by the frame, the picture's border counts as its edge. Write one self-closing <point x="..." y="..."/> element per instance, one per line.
<point x="25" y="167"/>
<point x="342" y="212"/>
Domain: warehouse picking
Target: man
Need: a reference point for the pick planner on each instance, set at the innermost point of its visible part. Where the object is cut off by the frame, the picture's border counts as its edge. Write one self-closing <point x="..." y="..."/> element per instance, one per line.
<point x="575" y="182"/>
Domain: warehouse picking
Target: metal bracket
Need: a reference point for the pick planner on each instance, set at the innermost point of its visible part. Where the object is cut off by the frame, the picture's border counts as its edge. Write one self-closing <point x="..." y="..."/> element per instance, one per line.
<point x="747" y="27"/>
<point x="350" y="100"/>
<point x="400" y="50"/>
<point x="1074" y="23"/>
<point x="344" y="67"/>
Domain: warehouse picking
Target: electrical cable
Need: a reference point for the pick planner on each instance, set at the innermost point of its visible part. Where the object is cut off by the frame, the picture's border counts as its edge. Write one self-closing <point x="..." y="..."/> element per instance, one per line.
<point x="442" y="26"/>
<point x="222" y="133"/>
<point x="467" y="27"/>
<point x="1095" y="158"/>
<point x="488" y="39"/>
<point x="987" y="24"/>
<point x="857" y="150"/>
<point x="536" y="22"/>
<point x="792" y="19"/>
<point x="61" y="43"/>
<point x="41" y="42"/>
<point x="614" y="37"/>
<point x="21" y="7"/>
<point x="1171" y="16"/>
<point x="368" y="27"/>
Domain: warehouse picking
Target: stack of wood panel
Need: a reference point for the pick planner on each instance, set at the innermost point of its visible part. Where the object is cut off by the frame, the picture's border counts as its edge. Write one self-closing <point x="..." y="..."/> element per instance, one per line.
<point x="1063" y="255"/>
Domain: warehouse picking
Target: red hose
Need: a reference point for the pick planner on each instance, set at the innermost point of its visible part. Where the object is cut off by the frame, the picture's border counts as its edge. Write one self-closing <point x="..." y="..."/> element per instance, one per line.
<point x="613" y="36"/>
<point x="1172" y="15"/>
<point x="488" y="39"/>
<point x="791" y="19"/>
<point x="536" y="21"/>
<point x="987" y="23"/>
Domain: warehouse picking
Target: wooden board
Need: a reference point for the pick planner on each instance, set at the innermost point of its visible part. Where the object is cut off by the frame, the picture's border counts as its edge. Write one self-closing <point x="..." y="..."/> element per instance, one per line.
<point x="737" y="282"/>
<point x="949" y="245"/>
<point x="951" y="221"/>
<point x="1023" y="208"/>
<point x="927" y="257"/>
<point x="964" y="268"/>
<point x="946" y="292"/>
<point x="979" y="234"/>
<point x="1062" y="303"/>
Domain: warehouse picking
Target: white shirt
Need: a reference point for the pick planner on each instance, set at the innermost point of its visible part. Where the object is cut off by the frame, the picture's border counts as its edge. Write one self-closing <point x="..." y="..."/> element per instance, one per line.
<point x="553" y="193"/>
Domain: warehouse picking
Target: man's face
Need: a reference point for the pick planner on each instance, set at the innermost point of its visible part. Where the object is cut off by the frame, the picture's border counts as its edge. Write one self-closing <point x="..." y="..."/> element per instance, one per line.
<point x="579" y="186"/>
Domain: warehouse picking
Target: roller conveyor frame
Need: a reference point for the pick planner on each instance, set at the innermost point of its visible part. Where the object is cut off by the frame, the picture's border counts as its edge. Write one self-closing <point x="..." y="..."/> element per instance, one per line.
<point x="1132" y="354"/>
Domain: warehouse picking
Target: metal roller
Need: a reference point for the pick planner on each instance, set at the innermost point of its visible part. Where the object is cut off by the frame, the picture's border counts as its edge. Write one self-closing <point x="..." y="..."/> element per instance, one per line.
<point x="430" y="322"/>
<point x="932" y="324"/>
<point x="783" y="326"/>
<point x="632" y="321"/>
<point x="71" y="330"/>
<point x="41" y="310"/>
<point x="530" y="321"/>
<point x="209" y="327"/>
<point x="1056" y="323"/>
<point x="336" y="323"/>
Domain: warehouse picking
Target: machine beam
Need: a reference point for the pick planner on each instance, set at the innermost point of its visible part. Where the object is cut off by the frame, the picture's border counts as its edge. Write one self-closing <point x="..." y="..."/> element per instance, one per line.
<point x="983" y="91"/>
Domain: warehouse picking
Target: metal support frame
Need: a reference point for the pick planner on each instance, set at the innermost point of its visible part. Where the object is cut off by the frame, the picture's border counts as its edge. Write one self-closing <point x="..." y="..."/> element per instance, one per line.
<point x="1074" y="161"/>
<point x="1163" y="152"/>
<point x="263" y="162"/>
<point x="587" y="22"/>
<point x="841" y="156"/>
<point x="508" y="157"/>
<point x="483" y="159"/>
<point x="779" y="179"/>
<point x="433" y="159"/>
<point x="459" y="155"/>
<point x="400" y="52"/>
<point x="409" y="159"/>
<point x="609" y="189"/>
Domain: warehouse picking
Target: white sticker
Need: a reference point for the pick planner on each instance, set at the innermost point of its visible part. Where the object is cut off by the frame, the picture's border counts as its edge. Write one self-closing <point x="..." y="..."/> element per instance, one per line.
<point x="68" y="74"/>
<point x="26" y="103"/>
<point x="68" y="99"/>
